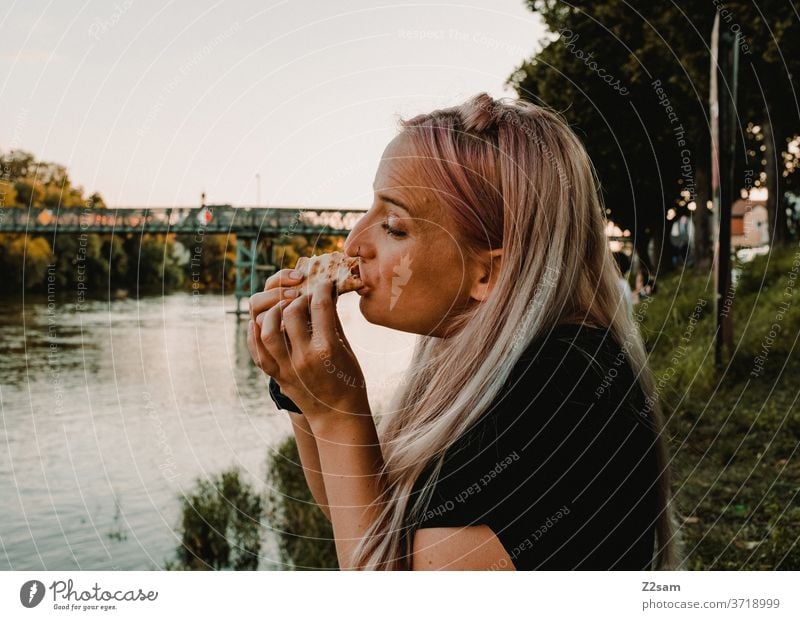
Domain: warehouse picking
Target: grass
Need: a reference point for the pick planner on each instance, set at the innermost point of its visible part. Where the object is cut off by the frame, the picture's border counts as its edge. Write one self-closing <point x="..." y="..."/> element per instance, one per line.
<point x="734" y="431"/>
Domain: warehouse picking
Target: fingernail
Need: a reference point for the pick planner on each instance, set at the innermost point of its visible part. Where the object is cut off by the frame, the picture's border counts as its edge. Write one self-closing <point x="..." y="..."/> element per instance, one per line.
<point x="290" y="292"/>
<point x="296" y="275"/>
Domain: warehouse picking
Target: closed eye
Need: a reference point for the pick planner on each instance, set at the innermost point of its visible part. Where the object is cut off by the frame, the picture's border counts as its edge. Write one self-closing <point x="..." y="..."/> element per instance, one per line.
<point x="393" y="232"/>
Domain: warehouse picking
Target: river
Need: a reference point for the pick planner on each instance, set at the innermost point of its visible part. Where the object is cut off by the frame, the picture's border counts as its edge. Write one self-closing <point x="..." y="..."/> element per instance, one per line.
<point x="110" y="413"/>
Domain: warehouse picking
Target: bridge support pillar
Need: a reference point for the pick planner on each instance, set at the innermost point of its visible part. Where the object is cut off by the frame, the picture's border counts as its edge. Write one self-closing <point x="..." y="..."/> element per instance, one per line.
<point x="248" y="280"/>
<point x="246" y="256"/>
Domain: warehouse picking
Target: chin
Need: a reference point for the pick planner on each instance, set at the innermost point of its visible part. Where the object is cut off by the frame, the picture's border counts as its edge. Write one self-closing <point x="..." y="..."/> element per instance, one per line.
<point x="382" y="318"/>
<point x="363" y="306"/>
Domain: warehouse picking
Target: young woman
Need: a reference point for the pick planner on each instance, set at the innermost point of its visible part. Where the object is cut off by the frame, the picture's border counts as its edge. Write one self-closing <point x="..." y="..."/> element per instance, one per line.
<point x="526" y="434"/>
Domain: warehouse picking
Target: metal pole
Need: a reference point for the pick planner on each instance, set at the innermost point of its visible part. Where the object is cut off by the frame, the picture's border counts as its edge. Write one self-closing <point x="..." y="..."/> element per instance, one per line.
<point x="253" y="266"/>
<point x="239" y="265"/>
<point x="724" y="78"/>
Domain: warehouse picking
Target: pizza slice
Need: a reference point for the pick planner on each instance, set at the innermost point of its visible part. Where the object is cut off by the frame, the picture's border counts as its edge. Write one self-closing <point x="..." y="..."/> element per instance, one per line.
<point x="335" y="267"/>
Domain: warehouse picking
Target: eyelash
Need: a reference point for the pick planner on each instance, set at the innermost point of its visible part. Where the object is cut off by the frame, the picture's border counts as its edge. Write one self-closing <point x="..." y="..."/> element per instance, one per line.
<point x="392" y="231"/>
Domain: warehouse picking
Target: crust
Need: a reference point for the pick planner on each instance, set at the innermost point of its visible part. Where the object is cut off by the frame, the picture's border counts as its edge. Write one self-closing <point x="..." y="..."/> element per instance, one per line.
<point x="334" y="267"/>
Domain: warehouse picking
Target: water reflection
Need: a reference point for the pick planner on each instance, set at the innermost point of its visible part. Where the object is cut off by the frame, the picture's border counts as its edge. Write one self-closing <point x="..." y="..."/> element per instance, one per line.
<point x="111" y="413"/>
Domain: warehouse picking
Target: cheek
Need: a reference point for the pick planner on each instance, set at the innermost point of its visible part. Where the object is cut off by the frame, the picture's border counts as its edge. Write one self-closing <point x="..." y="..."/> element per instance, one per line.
<point x="430" y="290"/>
<point x="432" y="267"/>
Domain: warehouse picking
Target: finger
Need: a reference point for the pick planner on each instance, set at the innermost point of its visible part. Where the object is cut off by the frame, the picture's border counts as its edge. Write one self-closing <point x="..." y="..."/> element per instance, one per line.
<point x="284" y="277"/>
<point x="274" y="340"/>
<point x="323" y="312"/>
<point x="295" y="321"/>
<point x="261" y="358"/>
<point x="260" y="319"/>
<point x="261" y="302"/>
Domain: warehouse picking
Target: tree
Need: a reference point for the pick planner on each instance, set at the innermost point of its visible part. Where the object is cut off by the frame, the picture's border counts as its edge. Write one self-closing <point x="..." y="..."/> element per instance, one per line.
<point x="624" y="100"/>
<point x="287" y="249"/>
<point x="24" y="262"/>
<point x="632" y="79"/>
<point x="768" y="97"/>
<point x="8" y="194"/>
<point x="114" y="253"/>
<point x="152" y="264"/>
<point x="87" y="262"/>
<point x="212" y="265"/>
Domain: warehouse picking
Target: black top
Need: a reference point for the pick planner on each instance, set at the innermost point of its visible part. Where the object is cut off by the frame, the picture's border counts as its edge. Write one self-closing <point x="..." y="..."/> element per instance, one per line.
<point x="562" y="467"/>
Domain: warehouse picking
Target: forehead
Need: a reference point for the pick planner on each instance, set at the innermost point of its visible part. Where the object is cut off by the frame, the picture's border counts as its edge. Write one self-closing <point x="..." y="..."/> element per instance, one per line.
<point x="399" y="166"/>
<point x="400" y="175"/>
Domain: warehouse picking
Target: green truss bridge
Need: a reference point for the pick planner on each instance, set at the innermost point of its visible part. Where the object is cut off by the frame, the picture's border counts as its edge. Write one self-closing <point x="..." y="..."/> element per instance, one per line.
<point x="248" y="224"/>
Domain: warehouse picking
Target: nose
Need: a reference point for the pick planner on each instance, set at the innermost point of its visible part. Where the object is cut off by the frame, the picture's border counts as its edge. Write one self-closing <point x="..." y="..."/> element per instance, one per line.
<point x="357" y="242"/>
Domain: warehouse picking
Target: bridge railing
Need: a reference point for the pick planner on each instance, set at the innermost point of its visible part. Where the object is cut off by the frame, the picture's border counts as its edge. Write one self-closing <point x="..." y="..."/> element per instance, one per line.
<point x="213" y="219"/>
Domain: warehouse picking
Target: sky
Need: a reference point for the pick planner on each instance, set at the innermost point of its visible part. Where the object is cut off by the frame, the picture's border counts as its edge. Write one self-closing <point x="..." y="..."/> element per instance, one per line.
<point x="280" y="103"/>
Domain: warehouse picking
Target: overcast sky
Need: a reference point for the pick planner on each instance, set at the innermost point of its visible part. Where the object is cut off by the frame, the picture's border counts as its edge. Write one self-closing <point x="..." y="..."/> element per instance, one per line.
<point x="151" y="103"/>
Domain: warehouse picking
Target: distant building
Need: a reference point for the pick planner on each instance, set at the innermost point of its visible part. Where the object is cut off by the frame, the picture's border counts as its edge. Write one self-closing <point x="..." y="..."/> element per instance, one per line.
<point x="749" y="223"/>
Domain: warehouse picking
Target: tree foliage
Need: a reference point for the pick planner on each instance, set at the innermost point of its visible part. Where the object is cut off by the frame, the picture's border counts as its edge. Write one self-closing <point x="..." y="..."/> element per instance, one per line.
<point x="632" y="78"/>
<point x="305" y="536"/>
<point x="93" y="264"/>
<point x="221" y="525"/>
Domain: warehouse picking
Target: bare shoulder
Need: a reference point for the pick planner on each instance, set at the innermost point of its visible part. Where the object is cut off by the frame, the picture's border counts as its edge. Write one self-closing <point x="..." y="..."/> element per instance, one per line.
<point x="474" y="547"/>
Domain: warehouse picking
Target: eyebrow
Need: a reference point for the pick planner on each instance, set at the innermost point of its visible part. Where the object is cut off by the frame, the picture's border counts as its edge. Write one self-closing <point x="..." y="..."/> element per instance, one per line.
<point x="393" y="201"/>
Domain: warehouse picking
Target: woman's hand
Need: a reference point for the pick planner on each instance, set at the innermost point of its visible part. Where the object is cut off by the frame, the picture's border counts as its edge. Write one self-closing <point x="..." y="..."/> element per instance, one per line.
<point x="280" y="285"/>
<point x="299" y="341"/>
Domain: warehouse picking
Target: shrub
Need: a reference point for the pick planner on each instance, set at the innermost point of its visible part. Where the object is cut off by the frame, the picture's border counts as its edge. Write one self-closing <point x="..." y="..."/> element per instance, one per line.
<point x="221" y="526"/>
<point x="305" y="536"/>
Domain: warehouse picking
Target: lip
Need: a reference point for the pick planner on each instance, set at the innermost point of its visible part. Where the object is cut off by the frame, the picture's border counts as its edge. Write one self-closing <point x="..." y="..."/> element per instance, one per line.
<point x="362" y="276"/>
<point x="363" y="290"/>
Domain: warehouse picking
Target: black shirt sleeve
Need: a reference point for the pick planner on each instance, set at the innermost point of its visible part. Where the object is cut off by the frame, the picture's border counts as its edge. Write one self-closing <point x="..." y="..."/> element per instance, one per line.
<point x="562" y="476"/>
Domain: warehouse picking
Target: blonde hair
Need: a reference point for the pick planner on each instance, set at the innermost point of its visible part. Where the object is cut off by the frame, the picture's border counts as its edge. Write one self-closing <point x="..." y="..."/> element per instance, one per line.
<point x="511" y="175"/>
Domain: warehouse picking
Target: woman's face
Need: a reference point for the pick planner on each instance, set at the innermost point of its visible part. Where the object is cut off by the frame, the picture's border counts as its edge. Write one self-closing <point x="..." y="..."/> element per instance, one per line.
<point x="412" y="263"/>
